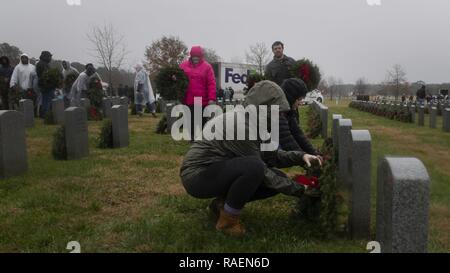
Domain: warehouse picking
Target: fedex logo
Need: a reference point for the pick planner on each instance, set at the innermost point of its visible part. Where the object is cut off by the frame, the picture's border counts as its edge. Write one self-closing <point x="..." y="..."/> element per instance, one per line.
<point x="235" y="77"/>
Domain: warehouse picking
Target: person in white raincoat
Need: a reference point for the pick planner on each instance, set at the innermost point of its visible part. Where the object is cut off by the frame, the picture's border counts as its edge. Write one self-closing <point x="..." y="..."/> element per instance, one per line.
<point x="22" y="74"/>
<point x="143" y="91"/>
<point x="81" y="85"/>
<point x="22" y="79"/>
<point x="68" y="69"/>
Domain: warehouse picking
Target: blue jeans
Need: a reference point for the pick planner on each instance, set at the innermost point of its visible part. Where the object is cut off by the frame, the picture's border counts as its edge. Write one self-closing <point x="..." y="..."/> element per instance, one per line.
<point x="47" y="97"/>
<point x="139" y="108"/>
<point x="150" y="107"/>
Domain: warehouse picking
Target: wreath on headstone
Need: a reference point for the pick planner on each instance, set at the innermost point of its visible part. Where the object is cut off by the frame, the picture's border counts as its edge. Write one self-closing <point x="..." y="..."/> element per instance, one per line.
<point x="307" y="71"/>
<point x="314" y="123"/>
<point x="59" y="148"/>
<point x="162" y="125"/>
<point x="324" y="211"/>
<point x="171" y="83"/>
<point x="105" y="139"/>
<point x="95" y="96"/>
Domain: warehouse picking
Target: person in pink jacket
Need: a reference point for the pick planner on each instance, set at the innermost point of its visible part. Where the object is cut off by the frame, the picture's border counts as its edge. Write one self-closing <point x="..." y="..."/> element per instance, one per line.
<point x="202" y="82"/>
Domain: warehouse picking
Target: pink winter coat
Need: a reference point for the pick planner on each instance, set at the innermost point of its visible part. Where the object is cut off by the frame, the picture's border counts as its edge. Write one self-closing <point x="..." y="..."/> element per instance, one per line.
<point x="202" y="82"/>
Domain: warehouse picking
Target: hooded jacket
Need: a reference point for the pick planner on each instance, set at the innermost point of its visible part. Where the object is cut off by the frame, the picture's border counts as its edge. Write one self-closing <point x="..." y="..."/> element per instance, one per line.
<point x="292" y="137"/>
<point x="70" y="70"/>
<point x="202" y="82"/>
<point x="22" y="75"/>
<point x="42" y="66"/>
<point x="206" y="152"/>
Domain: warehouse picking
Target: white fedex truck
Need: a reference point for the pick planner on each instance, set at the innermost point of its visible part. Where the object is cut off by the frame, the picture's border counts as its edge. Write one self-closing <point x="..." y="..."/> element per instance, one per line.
<point x="233" y="75"/>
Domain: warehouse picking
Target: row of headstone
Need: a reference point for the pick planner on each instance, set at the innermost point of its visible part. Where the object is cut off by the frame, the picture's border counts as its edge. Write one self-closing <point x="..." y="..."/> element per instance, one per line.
<point x="418" y="113"/>
<point x="402" y="192"/>
<point x="323" y="113"/>
<point x="439" y="105"/>
<point x="109" y="102"/>
<point x="13" y="155"/>
<point x="76" y="129"/>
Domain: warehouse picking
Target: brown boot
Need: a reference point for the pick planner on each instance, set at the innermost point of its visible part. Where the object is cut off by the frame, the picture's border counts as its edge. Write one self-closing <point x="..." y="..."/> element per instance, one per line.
<point x="215" y="206"/>
<point x="230" y="224"/>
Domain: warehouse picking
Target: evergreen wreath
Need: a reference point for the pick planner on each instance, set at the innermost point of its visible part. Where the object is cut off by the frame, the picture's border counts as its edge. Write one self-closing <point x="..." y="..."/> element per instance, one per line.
<point x="169" y="88"/>
<point x="307" y="71"/>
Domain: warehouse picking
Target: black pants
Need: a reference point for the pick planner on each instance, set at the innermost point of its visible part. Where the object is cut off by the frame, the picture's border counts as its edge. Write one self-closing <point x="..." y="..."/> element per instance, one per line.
<point x="238" y="181"/>
<point x="5" y="99"/>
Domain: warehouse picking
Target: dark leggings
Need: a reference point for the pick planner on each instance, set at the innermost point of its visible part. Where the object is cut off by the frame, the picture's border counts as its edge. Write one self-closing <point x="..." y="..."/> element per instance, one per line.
<point x="238" y="181"/>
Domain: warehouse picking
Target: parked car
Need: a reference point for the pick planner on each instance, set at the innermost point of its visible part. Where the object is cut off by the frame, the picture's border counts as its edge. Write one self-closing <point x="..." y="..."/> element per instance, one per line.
<point x="314" y="95"/>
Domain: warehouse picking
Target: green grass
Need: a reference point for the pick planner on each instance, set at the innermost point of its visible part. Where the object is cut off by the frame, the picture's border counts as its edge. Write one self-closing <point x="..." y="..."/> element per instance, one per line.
<point x="132" y="200"/>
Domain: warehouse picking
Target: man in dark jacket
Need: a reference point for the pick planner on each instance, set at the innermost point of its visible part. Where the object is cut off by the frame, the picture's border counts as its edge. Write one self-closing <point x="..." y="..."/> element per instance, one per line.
<point x="292" y="137"/>
<point x="421" y="94"/>
<point x="6" y="71"/>
<point x="278" y="69"/>
<point x="47" y="95"/>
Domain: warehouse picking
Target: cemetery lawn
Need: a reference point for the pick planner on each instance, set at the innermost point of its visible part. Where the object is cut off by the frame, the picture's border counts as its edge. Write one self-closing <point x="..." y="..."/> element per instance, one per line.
<point x="132" y="200"/>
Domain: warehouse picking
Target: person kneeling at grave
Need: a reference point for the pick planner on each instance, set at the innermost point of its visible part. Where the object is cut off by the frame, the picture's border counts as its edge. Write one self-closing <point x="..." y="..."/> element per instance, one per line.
<point x="236" y="172"/>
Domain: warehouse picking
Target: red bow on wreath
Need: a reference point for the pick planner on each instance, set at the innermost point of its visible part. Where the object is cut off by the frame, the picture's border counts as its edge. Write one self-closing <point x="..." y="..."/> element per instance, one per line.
<point x="305" y="72"/>
<point x="307" y="181"/>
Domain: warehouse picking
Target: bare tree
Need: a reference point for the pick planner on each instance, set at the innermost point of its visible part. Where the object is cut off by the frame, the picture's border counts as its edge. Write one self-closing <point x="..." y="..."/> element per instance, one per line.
<point x="340" y="89"/>
<point x="258" y="55"/>
<point x="361" y="86"/>
<point x="167" y="51"/>
<point x="323" y="85"/>
<point x="211" y="56"/>
<point x="109" y="49"/>
<point x="397" y="80"/>
<point x="332" y="86"/>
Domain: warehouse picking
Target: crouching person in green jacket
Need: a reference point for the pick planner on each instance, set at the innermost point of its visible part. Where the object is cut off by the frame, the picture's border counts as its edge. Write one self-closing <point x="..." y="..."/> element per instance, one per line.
<point x="236" y="172"/>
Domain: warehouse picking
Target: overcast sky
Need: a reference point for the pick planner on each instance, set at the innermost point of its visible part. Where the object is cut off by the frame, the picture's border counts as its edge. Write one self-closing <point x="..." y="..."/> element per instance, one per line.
<point x="346" y="38"/>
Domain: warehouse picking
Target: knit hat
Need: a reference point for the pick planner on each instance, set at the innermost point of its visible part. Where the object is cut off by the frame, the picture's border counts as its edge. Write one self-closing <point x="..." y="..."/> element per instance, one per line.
<point x="294" y="89"/>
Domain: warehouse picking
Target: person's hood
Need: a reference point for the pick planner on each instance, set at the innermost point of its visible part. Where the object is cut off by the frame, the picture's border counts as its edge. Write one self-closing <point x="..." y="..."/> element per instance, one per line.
<point x="138" y="67"/>
<point x="45" y="56"/>
<point x="267" y="93"/>
<point x="6" y="59"/>
<point x="294" y="89"/>
<point x="24" y="55"/>
<point x="69" y="65"/>
<point x="197" y="51"/>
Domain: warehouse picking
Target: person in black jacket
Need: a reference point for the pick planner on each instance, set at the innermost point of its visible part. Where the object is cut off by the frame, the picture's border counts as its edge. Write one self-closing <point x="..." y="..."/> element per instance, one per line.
<point x="6" y="71"/>
<point x="292" y="137"/>
<point x="47" y="95"/>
